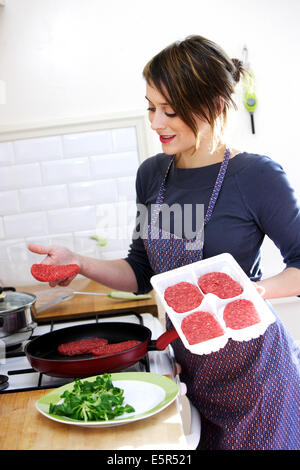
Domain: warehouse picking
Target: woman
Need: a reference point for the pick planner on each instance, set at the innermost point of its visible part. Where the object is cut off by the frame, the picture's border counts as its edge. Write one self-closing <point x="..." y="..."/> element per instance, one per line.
<point x="246" y="393"/>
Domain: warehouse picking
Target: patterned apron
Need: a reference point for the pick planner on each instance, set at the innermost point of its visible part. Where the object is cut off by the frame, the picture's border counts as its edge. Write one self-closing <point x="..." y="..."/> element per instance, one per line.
<point x="247" y="393"/>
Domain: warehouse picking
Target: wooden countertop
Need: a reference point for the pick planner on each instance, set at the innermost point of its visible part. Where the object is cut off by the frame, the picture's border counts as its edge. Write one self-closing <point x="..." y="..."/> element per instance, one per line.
<point x="84" y="305"/>
<point x="24" y="428"/>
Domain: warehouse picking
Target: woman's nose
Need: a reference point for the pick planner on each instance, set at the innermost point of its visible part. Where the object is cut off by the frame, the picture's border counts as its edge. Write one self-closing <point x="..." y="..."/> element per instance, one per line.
<point x="158" y="120"/>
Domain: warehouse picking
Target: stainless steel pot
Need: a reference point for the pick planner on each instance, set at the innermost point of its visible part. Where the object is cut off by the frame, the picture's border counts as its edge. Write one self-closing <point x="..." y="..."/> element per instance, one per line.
<point x="17" y="316"/>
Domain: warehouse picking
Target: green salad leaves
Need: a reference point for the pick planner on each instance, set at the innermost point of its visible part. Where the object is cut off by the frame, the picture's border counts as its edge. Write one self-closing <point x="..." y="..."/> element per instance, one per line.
<point x="97" y="400"/>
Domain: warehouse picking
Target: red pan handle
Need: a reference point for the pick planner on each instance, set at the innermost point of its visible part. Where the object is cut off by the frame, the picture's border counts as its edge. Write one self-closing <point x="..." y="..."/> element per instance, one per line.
<point x="163" y="341"/>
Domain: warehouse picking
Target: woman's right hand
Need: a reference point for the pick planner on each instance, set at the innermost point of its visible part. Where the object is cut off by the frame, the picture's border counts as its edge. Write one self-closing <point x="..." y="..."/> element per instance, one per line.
<point x="57" y="255"/>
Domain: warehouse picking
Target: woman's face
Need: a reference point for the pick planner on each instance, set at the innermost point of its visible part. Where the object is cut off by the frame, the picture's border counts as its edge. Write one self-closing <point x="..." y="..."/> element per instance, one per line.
<point x="176" y="137"/>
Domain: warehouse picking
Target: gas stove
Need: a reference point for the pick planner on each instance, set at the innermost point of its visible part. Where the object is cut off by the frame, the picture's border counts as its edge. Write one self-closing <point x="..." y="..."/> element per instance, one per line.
<point x="17" y="375"/>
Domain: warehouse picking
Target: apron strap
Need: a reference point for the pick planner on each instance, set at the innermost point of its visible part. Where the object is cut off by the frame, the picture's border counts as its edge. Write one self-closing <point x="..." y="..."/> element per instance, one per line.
<point x="218" y="186"/>
<point x="214" y="195"/>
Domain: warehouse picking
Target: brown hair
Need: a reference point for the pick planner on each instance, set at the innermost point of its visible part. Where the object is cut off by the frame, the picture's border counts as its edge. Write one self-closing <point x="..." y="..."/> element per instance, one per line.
<point x="196" y="77"/>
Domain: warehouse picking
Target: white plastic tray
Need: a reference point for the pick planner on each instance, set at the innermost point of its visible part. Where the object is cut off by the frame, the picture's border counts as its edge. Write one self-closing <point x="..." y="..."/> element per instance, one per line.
<point x="224" y="263"/>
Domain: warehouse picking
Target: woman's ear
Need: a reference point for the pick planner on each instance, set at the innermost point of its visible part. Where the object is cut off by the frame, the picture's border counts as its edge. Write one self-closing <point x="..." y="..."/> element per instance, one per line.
<point x="198" y="140"/>
<point x="220" y="105"/>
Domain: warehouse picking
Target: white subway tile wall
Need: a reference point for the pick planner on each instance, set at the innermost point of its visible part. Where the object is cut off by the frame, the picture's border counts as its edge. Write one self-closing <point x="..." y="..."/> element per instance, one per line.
<point x="66" y="171"/>
<point x="35" y="150"/>
<point x="62" y="190"/>
<point x="42" y="198"/>
<point x="25" y="225"/>
<point x="89" y="143"/>
<point x="6" y="153"/>
<point x="9" y="202"/>
<point x="20" y="176"/>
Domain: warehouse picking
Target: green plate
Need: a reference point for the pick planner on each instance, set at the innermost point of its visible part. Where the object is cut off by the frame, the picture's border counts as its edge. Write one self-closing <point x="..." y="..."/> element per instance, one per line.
<point x="148" y="393"/>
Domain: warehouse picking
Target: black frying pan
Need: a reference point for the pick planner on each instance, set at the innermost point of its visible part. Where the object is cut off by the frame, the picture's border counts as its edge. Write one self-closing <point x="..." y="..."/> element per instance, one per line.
<point x="43" y="355"/>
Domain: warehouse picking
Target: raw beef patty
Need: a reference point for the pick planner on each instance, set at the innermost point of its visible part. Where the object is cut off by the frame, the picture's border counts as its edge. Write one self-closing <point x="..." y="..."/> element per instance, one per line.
<point x="96" y="346"/>
<point x="240" y="314"/>
<point x="115" y="347"/>
<point x="81" y="346"/>
<point x="52" y="272"/>
<point x="183" y="297"/>
<point x="220" y="284"/>
<point x="200" y="326"/>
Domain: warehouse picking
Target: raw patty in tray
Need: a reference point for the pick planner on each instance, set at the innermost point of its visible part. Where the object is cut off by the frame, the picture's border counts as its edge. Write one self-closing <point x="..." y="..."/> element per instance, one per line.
<point x="220" y="284"/>
<point x="240" y="314"/>
<point x="200" y="326"/>
<point x="183" y="296"/>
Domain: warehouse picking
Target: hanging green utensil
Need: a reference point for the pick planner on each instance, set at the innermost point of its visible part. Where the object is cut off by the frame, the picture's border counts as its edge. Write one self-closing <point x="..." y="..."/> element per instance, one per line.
<point x="100" y="241"/>
<point x="250" y="99"/>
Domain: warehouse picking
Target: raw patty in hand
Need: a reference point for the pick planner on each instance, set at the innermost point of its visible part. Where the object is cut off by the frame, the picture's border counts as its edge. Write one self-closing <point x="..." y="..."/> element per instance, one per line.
<point x="52" y="272"/>
<point x="240" y="314"/>
<point x="200" y="326"/>
<point x="81" y="346"/>
<point x="183" y="297"/>
<point x="219" y="284"/>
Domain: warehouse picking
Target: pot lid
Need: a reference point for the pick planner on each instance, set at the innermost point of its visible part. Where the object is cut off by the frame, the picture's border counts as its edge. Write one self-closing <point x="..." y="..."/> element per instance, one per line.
<point x="15" y="300"/>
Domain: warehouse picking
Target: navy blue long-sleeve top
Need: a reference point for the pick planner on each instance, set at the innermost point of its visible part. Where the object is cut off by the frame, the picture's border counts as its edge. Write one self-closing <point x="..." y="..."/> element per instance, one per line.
<point x="256" y="199"/>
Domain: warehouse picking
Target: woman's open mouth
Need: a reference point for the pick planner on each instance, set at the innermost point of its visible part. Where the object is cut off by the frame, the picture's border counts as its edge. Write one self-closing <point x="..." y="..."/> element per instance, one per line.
<point x="165" y="139"/>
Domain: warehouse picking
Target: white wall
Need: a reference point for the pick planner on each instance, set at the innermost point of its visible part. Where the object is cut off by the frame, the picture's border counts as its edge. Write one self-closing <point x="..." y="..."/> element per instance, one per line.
<point x="69" y="58"/>
<point x="74" y="59"/>
<point x="62" y="189"/>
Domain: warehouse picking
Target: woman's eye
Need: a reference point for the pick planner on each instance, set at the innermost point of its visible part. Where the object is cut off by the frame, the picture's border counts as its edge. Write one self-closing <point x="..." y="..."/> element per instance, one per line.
<point x="152" y="110"/>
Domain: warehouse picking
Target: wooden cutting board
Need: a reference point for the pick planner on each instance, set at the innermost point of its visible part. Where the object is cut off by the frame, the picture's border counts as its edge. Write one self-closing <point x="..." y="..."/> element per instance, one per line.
<point x="23" y="427"/>
<point x="84" y="305"/>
